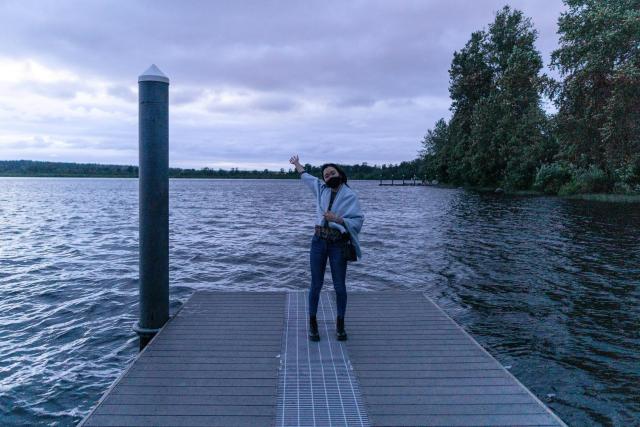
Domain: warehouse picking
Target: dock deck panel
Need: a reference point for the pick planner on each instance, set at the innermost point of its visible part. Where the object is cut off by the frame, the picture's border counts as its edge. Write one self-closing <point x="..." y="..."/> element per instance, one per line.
<point x="214" y="364"/>
<point x="221" y="360"/>
<point x="416" y="366"/>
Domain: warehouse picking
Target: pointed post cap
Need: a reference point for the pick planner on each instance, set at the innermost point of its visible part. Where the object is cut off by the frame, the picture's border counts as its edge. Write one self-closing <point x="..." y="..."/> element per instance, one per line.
<point x="153" y="74"/>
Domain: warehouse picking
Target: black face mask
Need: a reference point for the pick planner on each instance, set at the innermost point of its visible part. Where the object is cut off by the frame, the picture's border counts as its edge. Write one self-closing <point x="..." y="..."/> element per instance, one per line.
<point x="334" y="182"/>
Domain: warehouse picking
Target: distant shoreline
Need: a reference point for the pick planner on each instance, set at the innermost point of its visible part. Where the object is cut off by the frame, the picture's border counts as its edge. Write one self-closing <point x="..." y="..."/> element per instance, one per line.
<point x="43" y="169"/>
<point x="172" y="177"/>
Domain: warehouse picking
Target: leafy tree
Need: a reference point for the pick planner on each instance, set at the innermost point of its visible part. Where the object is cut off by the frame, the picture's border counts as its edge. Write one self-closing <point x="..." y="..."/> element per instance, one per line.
<point x="470" y="81"/>
<point x="498" y="133"/>
<point x="509" y="123"/>
<point x="598" y="108"/>
<point x="435" y="142"/>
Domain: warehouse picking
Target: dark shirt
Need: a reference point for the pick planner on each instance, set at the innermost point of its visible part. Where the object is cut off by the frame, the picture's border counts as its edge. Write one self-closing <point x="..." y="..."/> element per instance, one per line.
<point x="325" y="223"/>
<point x="333" y="197"/>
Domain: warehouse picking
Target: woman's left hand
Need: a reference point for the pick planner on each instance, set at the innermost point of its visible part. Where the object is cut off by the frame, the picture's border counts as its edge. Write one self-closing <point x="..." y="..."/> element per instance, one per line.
<point x="332" y="217"/>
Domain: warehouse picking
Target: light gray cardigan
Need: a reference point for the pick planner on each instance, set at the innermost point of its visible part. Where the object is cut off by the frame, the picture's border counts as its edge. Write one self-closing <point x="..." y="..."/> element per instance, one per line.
<point x="346" y="205"/>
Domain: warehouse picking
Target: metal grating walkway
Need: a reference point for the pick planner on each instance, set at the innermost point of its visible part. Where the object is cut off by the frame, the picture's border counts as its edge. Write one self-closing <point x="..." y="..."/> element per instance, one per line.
<point x="316" y="382"/>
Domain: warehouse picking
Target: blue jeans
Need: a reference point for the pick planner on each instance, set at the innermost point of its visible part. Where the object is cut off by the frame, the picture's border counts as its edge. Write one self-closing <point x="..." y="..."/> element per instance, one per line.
<point x="321" y="250"/>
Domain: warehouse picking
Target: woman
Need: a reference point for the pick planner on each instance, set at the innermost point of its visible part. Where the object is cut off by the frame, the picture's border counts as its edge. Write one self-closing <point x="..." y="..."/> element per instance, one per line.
<point x="338" y="222"/>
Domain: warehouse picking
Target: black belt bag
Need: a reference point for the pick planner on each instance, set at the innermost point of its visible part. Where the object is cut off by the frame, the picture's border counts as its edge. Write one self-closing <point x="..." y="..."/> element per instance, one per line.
<point x="332" y="235"/>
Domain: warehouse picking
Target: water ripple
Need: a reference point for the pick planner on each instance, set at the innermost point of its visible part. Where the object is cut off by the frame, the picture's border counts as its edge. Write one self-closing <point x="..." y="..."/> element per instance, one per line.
<point x="551" y="287"/>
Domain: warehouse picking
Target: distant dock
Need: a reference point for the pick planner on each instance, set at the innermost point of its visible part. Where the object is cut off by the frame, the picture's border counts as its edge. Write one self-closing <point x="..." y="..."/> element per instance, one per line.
<point x="414" y="182"/>
<point x="402" y="184"/>
<point x="243" y="359"/>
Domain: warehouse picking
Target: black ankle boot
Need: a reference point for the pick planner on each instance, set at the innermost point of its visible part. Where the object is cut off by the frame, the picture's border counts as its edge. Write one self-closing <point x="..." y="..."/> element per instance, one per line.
<point x="313" y="329"/>
<point x="340" y="333"/>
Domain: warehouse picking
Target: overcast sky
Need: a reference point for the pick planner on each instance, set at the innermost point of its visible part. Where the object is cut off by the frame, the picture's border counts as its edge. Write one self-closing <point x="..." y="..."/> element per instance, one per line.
<point x="251" y="81"/>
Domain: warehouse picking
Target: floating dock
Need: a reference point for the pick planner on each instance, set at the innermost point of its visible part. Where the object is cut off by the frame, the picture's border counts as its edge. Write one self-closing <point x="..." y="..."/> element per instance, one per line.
<point x="243" y="359"/>
<point x="402" y="184"/>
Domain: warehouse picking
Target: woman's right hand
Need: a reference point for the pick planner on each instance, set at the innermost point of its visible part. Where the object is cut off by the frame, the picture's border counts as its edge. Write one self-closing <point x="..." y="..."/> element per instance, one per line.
<point x="295" y="160"/>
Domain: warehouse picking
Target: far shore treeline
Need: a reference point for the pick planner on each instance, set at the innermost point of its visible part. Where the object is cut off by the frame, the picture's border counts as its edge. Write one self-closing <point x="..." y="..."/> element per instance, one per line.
<point x="30" y="168"/>
<point x="499" y="135"/>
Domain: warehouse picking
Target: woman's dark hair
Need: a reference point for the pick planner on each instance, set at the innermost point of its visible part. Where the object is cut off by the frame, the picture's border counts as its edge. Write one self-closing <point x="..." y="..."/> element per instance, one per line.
<point x="341" y="172"/>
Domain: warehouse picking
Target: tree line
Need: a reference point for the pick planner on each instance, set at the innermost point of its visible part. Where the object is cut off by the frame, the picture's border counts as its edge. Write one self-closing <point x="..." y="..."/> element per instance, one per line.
<point x="33" y="168"/>
<point x="499" y="134"/>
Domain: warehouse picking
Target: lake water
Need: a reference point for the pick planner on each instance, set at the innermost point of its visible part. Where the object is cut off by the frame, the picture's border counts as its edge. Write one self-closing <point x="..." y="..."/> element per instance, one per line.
<point x="550" y="287"/>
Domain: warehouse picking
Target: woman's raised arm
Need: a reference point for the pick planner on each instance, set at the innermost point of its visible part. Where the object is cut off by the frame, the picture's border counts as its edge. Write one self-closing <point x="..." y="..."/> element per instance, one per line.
<point x="311" y="181"/>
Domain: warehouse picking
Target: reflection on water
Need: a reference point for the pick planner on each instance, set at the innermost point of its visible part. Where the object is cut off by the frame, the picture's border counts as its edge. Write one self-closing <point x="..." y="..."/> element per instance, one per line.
<point x="550" y="287"/>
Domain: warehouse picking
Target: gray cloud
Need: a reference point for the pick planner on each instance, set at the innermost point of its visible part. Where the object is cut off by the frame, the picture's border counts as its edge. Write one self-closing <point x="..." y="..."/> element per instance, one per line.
<point x="35" y="142"/>
<point x="123" y="92"/>
<point x="275" y="103"/>
<point x="384" y="46"/>
<point x="64" y="91"/>
<point x="344" y="57"/>
<point x="355" y="101"/>
<point x="185" y="95"/>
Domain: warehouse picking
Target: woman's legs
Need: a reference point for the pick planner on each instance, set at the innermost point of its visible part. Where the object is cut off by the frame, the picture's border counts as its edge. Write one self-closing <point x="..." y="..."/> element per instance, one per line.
<point x="318" y="261"/>
<point x="339" y="275"/>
